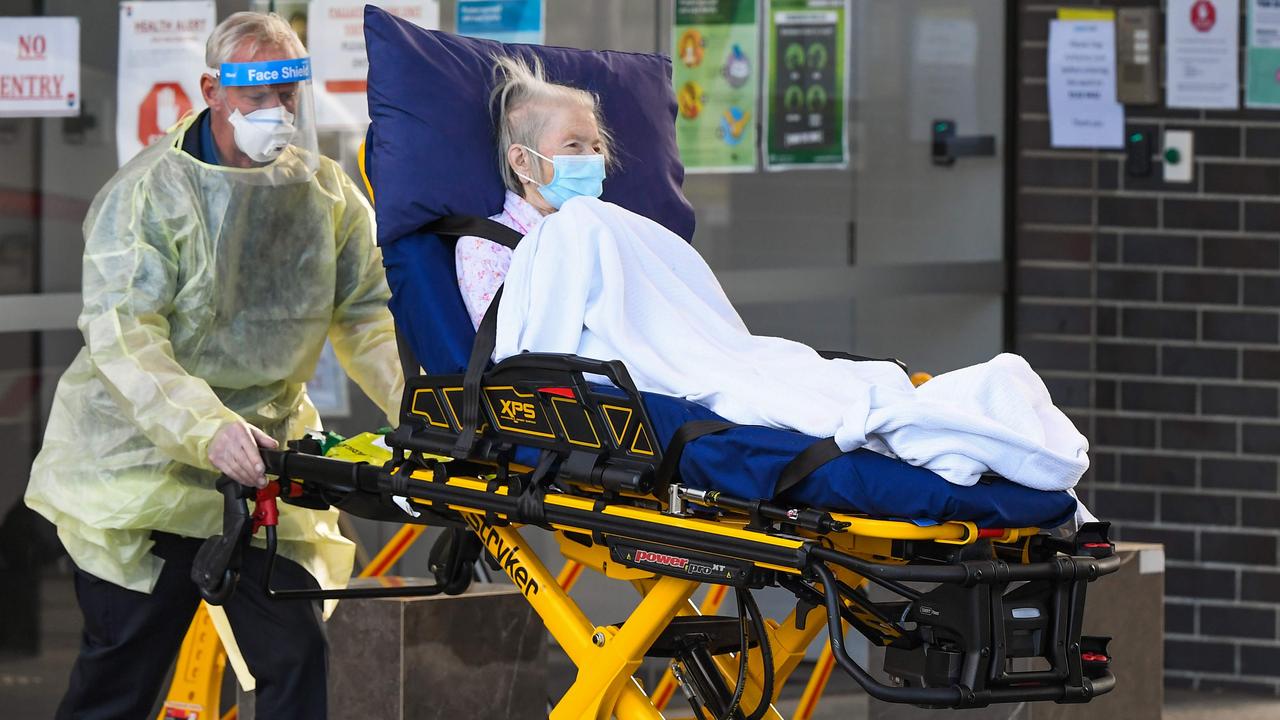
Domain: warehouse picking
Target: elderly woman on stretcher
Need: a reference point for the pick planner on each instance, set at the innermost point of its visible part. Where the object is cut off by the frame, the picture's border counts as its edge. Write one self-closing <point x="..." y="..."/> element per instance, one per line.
<point x="593" y="279"/>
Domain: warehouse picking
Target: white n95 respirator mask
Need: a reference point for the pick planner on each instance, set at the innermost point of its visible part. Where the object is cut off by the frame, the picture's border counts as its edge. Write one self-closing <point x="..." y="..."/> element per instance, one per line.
<point x="263" y="134"/>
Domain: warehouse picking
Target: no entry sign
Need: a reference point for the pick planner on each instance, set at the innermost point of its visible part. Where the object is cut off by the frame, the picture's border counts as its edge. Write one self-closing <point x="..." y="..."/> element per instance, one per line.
<point x="39" y="66"/>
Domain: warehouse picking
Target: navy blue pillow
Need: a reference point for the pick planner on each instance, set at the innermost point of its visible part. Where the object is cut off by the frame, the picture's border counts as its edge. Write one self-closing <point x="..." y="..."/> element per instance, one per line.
<point x="431" y="144"/>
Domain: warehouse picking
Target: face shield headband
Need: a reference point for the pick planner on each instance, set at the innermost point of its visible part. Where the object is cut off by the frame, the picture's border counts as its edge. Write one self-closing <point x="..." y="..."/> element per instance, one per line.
<point x="267" y="72"/>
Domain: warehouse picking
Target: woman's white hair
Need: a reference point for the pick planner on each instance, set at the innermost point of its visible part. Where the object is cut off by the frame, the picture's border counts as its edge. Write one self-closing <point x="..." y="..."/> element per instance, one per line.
<point x="258" y="30"/>
<point x="520" y="100"/>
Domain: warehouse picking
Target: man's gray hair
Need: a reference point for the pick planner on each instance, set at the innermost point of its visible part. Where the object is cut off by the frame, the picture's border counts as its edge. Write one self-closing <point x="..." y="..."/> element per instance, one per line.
<point x="519" y="101"/>
<point x="258" y="29"/>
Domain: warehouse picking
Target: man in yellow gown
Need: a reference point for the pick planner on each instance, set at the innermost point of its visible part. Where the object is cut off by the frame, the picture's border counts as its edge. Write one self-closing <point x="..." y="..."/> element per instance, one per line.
<point x="216" y="264"/>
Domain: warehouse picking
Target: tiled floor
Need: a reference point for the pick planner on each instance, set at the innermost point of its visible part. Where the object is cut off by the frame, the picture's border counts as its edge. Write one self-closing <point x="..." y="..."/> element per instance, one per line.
<point x="30" y="687"/>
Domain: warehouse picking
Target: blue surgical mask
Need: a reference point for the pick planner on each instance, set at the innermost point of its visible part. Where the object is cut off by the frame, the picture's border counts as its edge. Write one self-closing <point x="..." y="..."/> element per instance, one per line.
<point x="572" y="175"/>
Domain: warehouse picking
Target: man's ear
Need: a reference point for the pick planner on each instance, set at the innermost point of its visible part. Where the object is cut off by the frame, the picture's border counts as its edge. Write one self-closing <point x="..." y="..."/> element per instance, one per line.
<point x="209" y="89"/>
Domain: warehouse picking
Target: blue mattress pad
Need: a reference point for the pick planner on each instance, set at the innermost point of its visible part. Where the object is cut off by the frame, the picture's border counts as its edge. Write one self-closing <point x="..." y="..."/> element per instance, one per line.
<point x="747" y="461"/>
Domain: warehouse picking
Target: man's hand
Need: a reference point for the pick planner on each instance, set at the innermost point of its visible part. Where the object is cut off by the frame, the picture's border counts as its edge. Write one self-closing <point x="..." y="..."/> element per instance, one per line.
<point x="234" y="451"/>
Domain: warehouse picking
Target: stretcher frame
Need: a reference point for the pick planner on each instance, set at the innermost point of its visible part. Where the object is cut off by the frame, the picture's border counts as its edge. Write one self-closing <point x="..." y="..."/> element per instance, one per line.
<point x="950" y="646"/>
<point x="197" y="683"/>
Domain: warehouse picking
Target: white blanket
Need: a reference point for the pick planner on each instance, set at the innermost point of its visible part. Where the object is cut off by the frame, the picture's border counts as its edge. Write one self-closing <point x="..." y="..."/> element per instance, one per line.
<point x="599" y="281"/>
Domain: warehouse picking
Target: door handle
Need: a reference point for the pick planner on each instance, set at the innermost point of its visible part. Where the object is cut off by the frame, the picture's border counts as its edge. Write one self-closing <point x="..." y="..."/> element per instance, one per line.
<point x="947" y="146"/>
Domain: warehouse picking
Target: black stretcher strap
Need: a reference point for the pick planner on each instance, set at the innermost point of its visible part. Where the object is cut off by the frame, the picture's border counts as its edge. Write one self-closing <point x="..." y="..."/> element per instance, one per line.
<point x="462" y="225"/>
<point x="408" y="363"/>
<point x="487" y="333"/>
<point x="684" y="435"/>
<point x="810" y="459"/>
<point x="481" y="351"/>
<point x="804" y="464"/>
<point x="530" y="509"/>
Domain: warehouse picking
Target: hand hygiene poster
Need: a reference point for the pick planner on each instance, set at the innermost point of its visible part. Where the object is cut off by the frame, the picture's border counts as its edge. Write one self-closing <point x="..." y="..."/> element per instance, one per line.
<point x="161" y="60"/>
<point x="808" y="83"/>
<point x="716" y="76"/>
<point x="1262" y="56"/>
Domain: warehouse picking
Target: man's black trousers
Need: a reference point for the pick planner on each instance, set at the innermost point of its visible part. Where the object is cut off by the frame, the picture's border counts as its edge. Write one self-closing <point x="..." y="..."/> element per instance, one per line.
<point x="130" y="639"/>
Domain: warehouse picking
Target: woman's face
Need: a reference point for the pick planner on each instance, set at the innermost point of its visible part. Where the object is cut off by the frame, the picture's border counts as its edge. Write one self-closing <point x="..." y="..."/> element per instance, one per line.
<point x="571" y="130"/>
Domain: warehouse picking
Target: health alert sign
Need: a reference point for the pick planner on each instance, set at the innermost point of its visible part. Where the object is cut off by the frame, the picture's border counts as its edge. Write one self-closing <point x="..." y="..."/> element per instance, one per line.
<point x="39" y="66"/>
<point x="161" y="61"/>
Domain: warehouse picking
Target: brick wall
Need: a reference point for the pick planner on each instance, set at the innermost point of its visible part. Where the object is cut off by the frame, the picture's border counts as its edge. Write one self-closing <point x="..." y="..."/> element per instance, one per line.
<point x="1153" y="311"/>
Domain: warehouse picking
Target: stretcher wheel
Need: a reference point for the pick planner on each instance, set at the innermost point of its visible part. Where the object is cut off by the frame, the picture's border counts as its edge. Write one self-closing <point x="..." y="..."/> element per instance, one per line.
<point x="452" y="560"/>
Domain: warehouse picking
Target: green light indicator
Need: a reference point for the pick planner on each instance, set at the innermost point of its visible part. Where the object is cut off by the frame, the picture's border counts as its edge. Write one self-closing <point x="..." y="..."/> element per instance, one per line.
<point x="1136" y="137"/>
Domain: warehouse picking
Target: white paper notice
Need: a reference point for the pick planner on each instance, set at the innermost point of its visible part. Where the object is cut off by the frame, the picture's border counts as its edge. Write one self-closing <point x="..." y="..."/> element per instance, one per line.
<point x="335" y="33"/>
<point x="1264" y="24"/>
<point x="161" y="61"/>
<point x="944" y="73"/>
<point x="39" y="66"/>
<point x="1203" y="68"/>
<point x="1083" y="111"/>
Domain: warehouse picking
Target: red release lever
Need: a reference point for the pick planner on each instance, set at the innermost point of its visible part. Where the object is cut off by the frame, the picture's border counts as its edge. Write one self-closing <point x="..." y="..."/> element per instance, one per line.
<point x="265" y="510"/>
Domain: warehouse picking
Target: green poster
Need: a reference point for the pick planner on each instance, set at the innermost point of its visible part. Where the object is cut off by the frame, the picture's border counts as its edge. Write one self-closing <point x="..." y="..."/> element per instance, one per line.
<point x="1262" y="55"/>
<point x="807" y="84"/>
<point x="715" y="64"/>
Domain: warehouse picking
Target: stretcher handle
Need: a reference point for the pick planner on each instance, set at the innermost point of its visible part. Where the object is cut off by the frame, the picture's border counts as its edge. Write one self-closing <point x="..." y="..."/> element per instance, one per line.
<point x="950" y="696"/>
<point x="216" y="567"/>
<point x="615" y="370"/>
<point x="291" y="463"/>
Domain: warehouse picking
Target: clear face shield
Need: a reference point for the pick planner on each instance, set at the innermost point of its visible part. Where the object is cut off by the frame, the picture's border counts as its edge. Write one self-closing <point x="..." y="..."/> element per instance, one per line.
<point x="272" y="110"/>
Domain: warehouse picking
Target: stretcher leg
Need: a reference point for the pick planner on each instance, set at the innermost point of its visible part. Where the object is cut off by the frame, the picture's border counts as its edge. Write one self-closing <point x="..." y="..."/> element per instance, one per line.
<point x="666" y="687"/>
<point x="605" y="670"/>
<point x="788" y="645"/>
<point x="606" y="657"/>
<point x="196" y="689"/>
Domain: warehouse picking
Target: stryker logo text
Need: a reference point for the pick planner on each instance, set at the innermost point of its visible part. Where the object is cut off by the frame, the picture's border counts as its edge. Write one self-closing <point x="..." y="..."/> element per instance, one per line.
<point x="506" y="555"/>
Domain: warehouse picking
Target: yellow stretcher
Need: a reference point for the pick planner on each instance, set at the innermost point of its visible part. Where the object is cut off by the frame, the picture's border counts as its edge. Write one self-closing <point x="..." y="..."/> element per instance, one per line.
<point x="970" y="602"/>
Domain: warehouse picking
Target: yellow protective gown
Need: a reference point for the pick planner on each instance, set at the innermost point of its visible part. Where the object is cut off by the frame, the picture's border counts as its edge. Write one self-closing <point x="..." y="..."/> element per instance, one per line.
<point x="208" y="294"/>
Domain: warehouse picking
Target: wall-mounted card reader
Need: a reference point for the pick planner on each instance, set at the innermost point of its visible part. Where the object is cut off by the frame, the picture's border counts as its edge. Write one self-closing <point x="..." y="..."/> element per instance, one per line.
<point x="947" y="146"/>
<point x="1137" y="52"/>
<point x="1137" y="153"/>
